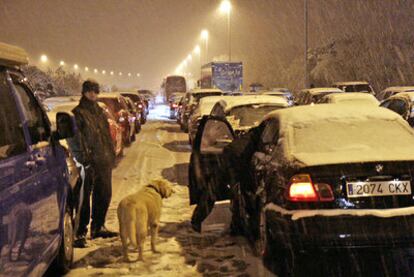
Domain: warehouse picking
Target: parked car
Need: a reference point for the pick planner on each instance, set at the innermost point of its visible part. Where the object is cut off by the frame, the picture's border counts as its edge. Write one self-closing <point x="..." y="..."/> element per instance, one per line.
<point x="173" y="103"/>
<point x="37" y="201"/>
<point x="284" y="92"/>
<point x="355" y="86"/>
<point x="191" y="100"/>
<point x="148" y="97"/>
<point x="315" y="179"/>
<point x="114" y="128"/>
<point x="402" y="104"/>
<point x="140" y="105"/>
<point x="355" y="98"/>
<point x="242" y="112"/>
<point x="136" y="114"/>
<point x="179" y="110"/>
<point x="314" y="95"/>
<point x="119" y="108"/>
<point x="388" y="92"/>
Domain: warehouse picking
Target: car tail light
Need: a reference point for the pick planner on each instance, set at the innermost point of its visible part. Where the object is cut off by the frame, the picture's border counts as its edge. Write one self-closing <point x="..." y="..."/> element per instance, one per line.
<point x="302" y="189"/>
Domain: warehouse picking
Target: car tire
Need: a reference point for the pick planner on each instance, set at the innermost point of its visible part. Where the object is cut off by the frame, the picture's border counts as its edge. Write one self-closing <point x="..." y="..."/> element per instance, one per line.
<point x="64" y="259"/>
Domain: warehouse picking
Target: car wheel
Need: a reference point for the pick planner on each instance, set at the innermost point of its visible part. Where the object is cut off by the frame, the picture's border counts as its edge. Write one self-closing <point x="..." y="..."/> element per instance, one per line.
<point x="64" y="259"/>
<point x="127" y="139"/>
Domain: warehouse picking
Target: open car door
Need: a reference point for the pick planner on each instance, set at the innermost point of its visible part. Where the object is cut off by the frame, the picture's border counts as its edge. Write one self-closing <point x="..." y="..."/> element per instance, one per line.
<point x="207" y="171"/>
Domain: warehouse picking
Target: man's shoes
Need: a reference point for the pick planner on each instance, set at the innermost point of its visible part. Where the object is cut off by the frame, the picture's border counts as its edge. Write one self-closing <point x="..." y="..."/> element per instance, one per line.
<point x="103" y="233"/>
<point x="80" y="242"/>
<point x="196" y="227"/>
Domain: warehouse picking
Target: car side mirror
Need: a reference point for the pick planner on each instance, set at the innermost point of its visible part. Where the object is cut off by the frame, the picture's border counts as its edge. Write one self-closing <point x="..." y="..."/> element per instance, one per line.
<point x="65" y="126"/>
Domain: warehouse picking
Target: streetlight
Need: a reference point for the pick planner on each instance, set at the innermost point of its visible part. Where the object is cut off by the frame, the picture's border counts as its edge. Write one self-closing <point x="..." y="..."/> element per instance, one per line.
<point x="112" y="73"/>
<point x="43" y="58"/>
<point x="204" y="36"/>
<point x="225" y="7"/>
<point x="129" y="74"/>
<point x="103" y="72"/>
<point x="197" y="51"/>
<point x="120" y="73"/>
<point x="95" y="71"/>
<point x="86" y="69"/>
<point x="61" y="63"/>
<point x="75" y="66"/>
<point x="138" y="75"/>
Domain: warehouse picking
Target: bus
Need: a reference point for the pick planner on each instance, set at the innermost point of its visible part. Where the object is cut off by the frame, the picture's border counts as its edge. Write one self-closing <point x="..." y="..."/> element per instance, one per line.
<point x="173" y="84"/>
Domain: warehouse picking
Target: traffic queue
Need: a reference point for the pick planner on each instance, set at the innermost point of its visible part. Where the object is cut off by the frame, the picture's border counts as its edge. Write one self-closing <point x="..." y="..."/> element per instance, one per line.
<point x="333" y="170"/>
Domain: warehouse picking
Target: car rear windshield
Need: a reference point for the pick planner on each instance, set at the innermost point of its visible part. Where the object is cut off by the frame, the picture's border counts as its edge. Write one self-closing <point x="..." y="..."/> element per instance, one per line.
<point x="358" y="88"/>
<point x="112" y="104"/>
<point x="249" y="115"/>
<point x="352" y="136"/>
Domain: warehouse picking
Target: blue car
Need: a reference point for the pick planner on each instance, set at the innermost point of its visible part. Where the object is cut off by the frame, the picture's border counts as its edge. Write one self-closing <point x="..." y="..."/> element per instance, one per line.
<point x="36" y="199"/>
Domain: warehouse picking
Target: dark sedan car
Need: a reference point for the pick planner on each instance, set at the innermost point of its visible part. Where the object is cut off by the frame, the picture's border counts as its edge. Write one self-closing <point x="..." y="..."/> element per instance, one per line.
<point x="313" y="177"/>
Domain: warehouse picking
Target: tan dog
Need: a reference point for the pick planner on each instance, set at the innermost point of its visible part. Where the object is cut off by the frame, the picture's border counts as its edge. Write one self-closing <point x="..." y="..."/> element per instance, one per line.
<point x="139" y="212"/>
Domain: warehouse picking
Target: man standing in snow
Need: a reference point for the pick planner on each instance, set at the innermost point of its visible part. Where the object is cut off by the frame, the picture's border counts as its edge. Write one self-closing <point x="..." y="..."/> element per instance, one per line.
<point x="93" y="148"/>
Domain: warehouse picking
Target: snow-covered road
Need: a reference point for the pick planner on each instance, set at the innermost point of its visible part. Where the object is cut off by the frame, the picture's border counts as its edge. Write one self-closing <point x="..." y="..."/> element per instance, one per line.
<point x="161" y="150"/>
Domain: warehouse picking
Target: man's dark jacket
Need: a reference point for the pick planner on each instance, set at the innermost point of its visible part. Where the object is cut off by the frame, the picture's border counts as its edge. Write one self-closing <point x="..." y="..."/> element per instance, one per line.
<point x="92" y="143"/>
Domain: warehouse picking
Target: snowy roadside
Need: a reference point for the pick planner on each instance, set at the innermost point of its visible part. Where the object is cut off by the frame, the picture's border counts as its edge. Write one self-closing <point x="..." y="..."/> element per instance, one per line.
<point x="161" y="150"/>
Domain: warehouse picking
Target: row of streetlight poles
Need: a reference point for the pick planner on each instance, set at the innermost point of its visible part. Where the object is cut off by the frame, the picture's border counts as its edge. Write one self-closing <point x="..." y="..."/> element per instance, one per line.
<point x="45" y="60"/>
<point x="225" y="7"/>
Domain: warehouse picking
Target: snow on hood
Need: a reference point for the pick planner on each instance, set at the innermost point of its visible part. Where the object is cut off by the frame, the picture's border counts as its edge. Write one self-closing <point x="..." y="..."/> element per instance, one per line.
<point x="337" y="134"/>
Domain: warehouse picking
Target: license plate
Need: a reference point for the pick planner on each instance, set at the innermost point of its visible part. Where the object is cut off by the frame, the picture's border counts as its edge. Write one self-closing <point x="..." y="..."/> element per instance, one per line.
<point x="368" y="189"/>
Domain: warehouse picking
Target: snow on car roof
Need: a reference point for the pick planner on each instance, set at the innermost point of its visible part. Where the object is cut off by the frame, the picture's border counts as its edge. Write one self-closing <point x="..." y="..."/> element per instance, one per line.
<point x="400" y="89"/>
<point x="207" y="103"/>
<point x="205" y="90"/>
<point x="356" y="97"/>
<point x="11" y="55"/>
<point x="406" y="94"/>
<point x="350" y="83"/>
<point x="253" y="99"/>
<point x="333" y="134"/>
<point x="315" y="91"/>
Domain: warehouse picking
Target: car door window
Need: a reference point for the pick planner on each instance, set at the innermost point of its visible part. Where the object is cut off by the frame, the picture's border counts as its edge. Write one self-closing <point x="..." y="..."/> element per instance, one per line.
<point x="399" y="106"/>
<point x="216" y="135"/>
<point x="36" y="119"/>
<point x="12" y="140"/>
<point x="269" y="136"/>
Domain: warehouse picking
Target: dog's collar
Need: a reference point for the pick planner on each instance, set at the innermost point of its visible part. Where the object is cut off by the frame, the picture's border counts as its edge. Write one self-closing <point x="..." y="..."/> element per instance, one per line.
<point x="154" y="188"/>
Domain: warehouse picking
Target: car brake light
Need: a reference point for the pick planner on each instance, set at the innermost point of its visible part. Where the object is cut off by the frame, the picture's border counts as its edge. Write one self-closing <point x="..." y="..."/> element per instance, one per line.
<point x="302" y="189"/>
